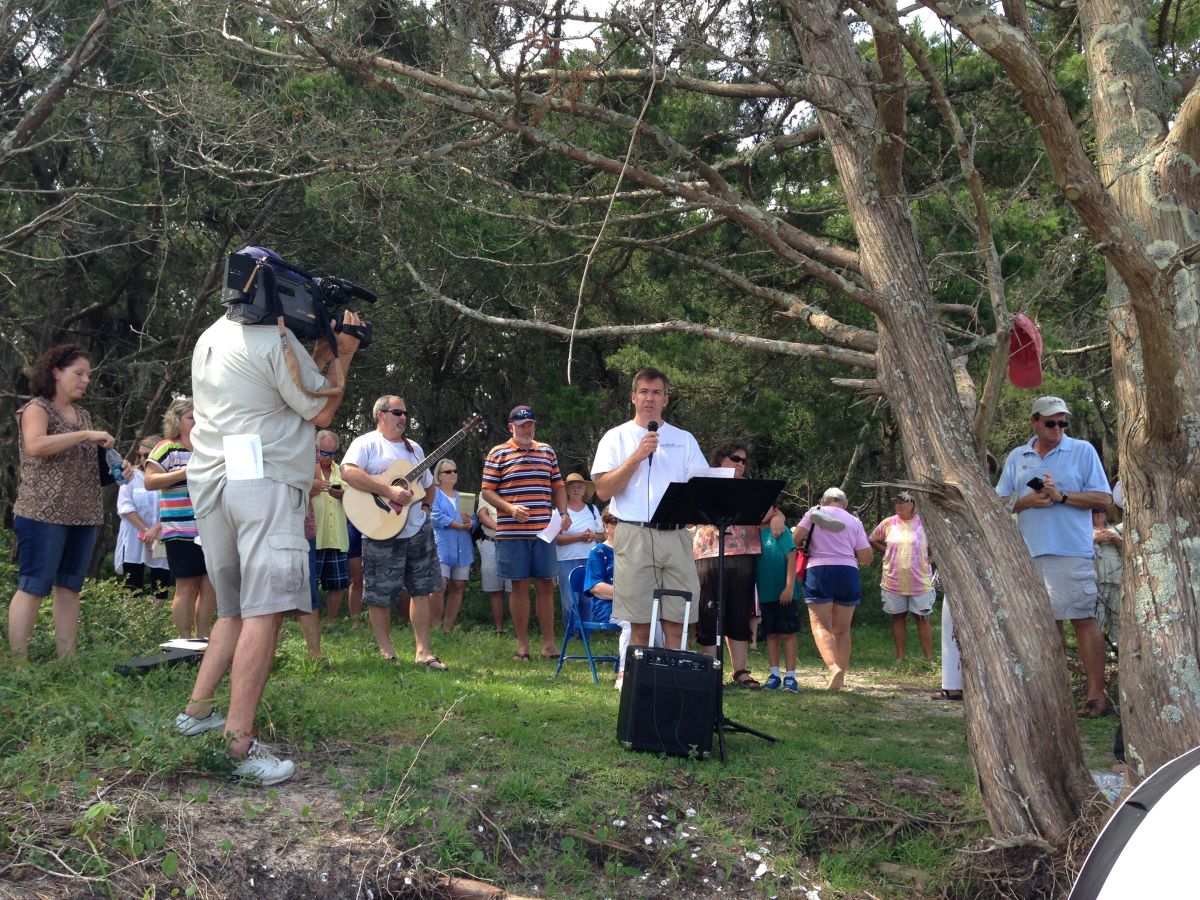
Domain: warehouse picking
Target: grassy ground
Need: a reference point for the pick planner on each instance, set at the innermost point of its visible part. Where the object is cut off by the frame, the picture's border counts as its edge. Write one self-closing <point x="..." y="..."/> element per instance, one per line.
<point x="495" y="770"/>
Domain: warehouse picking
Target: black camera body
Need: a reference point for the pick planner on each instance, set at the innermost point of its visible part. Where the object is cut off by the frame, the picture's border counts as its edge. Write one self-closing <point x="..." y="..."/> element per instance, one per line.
<point x="260" y="286"/>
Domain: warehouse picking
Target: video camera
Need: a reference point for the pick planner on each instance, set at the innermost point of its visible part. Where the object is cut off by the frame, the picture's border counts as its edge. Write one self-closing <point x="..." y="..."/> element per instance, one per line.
<point x="260" y="286"/>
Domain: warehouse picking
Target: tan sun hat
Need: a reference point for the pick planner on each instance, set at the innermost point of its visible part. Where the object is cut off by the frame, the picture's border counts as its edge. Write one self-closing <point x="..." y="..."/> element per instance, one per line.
<point x="589" y="490"/>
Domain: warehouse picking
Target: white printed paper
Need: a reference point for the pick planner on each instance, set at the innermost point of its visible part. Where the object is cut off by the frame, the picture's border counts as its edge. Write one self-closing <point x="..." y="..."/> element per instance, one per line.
<point x="184" y="644"/>
<point x="243" y="457"/>
<point x="550" y="532"/>
<point x="707" y="472"/>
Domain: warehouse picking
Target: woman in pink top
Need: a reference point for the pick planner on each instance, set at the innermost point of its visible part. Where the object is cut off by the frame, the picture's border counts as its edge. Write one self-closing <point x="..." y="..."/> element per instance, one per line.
<point x="832" y="587"/>
<point x="907" y="585"/>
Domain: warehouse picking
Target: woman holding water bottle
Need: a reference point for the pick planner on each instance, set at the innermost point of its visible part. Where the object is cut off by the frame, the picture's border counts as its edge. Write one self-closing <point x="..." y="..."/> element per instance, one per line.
<point x="59" y="506"/>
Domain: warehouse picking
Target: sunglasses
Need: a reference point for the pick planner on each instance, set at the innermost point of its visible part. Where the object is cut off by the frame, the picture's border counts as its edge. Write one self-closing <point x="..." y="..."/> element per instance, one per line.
<point x="396" y="412"/>
<point x="449" y="471"/>
<point x="327" y="452"/>
<point x="1055" y="423"/>
<point x="740" y="460"/>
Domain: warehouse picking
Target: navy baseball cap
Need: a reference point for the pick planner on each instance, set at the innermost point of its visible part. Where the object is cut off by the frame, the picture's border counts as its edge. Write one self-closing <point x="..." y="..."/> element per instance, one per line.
<point x="522" y="414"/>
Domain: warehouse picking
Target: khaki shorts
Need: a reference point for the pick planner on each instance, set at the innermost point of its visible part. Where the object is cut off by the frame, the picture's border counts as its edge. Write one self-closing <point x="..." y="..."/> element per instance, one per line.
<point x="1071" y="583"/>
<point x="646" y="560"/>
<point x="255" y="550"/>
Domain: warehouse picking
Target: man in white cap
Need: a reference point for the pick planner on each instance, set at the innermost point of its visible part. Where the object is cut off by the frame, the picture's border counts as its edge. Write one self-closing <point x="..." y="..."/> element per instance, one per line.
<point x="1055" y="482"/>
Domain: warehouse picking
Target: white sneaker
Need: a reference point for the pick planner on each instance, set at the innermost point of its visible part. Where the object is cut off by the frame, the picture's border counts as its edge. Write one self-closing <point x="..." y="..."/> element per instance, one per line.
<point x="262" y="767"/>
<point x="190" y="726"/>
<point x="826" y="521"/>
<point x="619" y="682"/>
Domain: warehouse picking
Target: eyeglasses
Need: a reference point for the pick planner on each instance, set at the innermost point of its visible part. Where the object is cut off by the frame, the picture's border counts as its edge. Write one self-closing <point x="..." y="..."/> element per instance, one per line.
<point x="449" y="471"/>
<point x="740" y="460"/>
<point x="327" y="452"/>
<point x="396" y="412"/>
<point x="1055" y="423"/>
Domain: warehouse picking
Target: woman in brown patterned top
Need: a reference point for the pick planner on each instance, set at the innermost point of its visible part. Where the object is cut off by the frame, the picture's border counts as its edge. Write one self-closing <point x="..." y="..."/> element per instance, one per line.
<point x="59" y="506"/>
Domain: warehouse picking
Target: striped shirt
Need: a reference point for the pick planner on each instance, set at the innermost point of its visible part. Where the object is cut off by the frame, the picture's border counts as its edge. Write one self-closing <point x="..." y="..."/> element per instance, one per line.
<point x="174" y="503"/>
<point x="523" y="477"/>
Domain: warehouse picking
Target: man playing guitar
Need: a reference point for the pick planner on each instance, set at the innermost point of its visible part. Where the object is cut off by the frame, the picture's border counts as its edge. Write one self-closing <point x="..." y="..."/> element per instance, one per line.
<point x="408" y="561"/>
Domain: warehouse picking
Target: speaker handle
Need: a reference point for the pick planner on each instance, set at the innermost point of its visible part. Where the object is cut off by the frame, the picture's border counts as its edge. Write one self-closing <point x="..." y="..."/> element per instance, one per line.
<point x="686" y="597"/>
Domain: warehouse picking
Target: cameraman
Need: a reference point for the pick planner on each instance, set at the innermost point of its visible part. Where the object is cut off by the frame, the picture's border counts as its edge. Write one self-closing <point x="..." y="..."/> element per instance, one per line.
<point x="255" y="382"/>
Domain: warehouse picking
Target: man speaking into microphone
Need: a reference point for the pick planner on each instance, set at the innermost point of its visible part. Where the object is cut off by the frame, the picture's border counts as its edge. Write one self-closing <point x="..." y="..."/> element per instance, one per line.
<point x="634" y="464"/>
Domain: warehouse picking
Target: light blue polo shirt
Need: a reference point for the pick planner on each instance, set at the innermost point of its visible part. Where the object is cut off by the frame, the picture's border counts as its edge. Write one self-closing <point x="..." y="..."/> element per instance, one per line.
<point x="1059" y="530"/>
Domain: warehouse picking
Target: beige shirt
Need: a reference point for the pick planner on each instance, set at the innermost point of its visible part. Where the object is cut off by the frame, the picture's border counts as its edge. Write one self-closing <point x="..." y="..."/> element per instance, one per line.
<point x="241" y="385"/>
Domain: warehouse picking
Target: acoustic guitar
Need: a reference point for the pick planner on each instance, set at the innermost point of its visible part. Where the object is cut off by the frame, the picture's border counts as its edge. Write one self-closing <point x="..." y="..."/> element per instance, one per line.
<point x="379" y="519"/>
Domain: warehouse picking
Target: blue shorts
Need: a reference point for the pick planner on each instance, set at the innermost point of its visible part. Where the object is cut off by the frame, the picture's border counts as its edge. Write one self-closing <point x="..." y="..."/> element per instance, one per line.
<point x="833" y="584"/>
<point x="355" y="551"/>
<point x="52" y="556"/>
<point x="519" y="559"/>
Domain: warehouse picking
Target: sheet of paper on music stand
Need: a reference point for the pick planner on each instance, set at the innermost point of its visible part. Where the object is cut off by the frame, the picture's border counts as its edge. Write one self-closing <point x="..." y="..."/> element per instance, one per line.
<point x="708" y="472"/>
<point x="550" y="532"/>
<point x="243" y="457"/>
<point x="466" y="504"/>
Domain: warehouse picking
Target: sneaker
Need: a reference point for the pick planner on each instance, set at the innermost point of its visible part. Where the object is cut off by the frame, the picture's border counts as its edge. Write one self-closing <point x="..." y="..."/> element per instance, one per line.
<point x="620" y="682"/>
<point x="190" y="726"/>
<point x="827" y="521"/>
<point x="262" y="767"/>
<point x="789" y="684"/>
<point x="772" y="683"/>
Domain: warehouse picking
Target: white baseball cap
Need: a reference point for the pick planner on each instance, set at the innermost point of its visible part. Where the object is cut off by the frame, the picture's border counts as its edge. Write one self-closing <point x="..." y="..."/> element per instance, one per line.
<point x="1049" y="406"/>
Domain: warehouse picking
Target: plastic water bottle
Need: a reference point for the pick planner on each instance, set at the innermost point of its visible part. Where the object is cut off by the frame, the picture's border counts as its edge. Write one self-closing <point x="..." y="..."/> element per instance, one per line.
<point x="113" y="458"/>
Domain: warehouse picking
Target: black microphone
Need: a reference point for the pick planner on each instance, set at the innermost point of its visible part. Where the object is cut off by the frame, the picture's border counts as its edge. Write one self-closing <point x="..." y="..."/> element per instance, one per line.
<point x="652" y="428"/>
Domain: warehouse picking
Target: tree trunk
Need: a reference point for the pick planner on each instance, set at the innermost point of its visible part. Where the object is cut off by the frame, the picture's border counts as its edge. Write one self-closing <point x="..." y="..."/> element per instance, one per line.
<point x="1019" y="715"/>
<point x="1160" y="679"/>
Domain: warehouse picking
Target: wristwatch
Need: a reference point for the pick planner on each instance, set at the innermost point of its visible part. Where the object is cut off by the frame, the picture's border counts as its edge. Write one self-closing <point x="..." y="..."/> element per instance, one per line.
<point x="1063" y="498"/>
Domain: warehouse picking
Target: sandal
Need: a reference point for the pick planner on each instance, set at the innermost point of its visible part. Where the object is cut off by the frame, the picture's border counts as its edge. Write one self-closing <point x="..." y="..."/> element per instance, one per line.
<point x="433" y="663"/>
<point x="946" y="695"/>
<point x="745" y="679"/>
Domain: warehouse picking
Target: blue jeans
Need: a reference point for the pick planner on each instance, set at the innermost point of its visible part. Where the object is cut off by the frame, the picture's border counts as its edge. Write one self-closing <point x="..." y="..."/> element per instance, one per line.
<point x="52" y="555"/>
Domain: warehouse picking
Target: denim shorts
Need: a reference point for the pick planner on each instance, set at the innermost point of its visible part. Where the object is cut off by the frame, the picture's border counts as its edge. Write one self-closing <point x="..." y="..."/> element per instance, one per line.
<point x="52" y="555"/>
<point x="833" y="584"/>
<point x="519" y="559"/>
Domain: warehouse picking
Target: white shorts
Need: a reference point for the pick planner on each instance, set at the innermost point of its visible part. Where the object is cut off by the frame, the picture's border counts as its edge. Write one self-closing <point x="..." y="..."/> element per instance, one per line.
<point x="917" y="604"/>
<point x="455" y="573"/>
<point x="488" y="579"/>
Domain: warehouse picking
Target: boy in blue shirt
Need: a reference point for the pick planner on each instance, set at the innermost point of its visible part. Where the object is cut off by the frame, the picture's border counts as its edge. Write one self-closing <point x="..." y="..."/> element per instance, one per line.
<point x="775" y="578"/>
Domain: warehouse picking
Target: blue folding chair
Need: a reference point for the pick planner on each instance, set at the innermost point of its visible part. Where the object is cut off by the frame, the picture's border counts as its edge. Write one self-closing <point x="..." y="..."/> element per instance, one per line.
<point x="586" y="615"/>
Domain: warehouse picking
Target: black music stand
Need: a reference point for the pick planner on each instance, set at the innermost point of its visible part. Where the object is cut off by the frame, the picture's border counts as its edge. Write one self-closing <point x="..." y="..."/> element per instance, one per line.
<point x="720" y="502"/>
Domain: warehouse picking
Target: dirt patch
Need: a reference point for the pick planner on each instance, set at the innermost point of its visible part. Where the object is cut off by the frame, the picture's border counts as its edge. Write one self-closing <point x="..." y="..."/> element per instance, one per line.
<point x="225" y="840"/>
